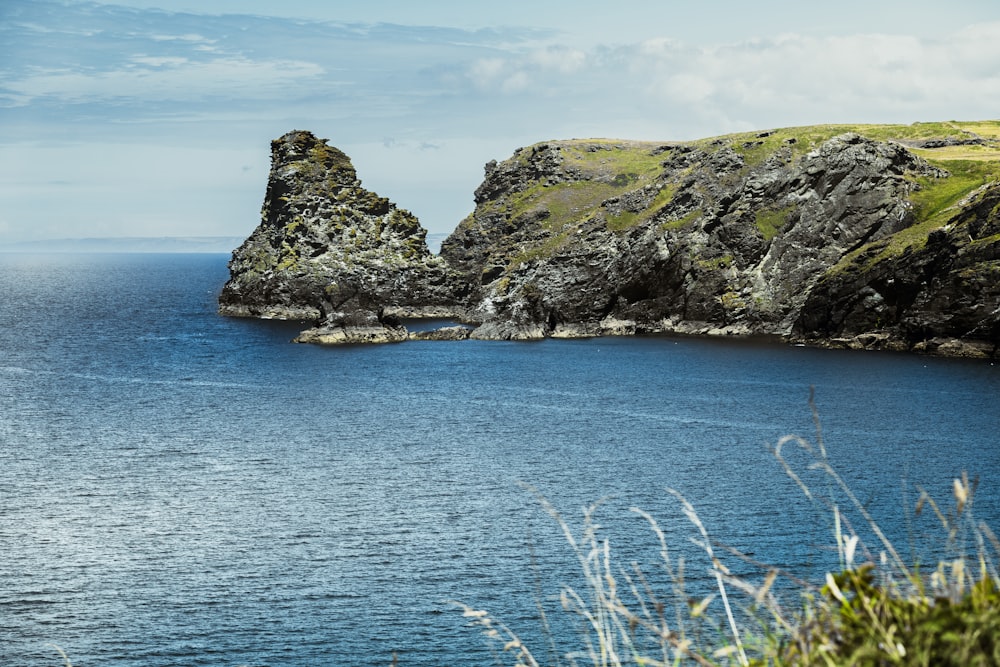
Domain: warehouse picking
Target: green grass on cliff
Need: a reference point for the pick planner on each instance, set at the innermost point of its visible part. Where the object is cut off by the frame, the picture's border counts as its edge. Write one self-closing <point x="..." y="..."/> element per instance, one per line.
<point x="616" y="167"/>
<point x="622" y="163"/>
<point x="596" y="170"/>
<point x="934" y="204"/>
<point x="970" y="166"/>
<point x="629" y="219"/>
<point x="602" y="169"/>
<point x="682" y="222"/>
<point x="770" y="222"/>
<point x="566" y="202"/>
<point x="757" y="146"/>
<point x="329" y="157"/>
<point x="936" y="197"/>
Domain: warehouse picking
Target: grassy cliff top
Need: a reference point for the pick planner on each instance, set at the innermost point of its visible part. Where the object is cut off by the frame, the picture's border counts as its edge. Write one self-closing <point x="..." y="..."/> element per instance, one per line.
<point x="968" y="150"/>
<point x="808" y="137"/>
<point x="945" y="141"/>
<point x="950" y="140"/>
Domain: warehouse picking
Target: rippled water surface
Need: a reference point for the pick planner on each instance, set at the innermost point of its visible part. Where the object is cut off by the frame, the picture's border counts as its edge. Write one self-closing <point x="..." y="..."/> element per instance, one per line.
<point x="178" y="488"/>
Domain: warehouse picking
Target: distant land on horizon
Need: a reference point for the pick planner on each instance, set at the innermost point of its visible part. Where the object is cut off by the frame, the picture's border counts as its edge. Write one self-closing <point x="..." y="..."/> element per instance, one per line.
<point x="150" y="244"/>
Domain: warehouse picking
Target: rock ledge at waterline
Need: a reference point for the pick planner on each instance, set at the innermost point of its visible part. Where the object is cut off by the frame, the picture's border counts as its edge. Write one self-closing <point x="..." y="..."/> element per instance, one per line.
<point x="874" y="237"/>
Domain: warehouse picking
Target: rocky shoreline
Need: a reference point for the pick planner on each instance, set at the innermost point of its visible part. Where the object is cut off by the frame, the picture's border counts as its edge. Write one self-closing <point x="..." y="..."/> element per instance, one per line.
<point x="810" y="235"/>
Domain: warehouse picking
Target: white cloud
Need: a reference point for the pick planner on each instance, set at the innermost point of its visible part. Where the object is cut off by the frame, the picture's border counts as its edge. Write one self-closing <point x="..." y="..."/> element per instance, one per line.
<point x="558" y="59"/>
<point x="485" y="71"/>
<point x="516" y="82"/>
<point x="190" y="37"/>
<point x="520" y="73"/>
<point x="800" y="77"/>
<point x="160" y="61"/>
<point x="168" y="78"/>
<point x="49" y="30"/>
<point x="685" y="88"/>
<point x="659" y="47"/>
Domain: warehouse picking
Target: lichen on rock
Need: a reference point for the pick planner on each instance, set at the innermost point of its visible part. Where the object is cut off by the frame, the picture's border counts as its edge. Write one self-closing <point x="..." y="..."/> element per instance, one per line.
<point x="328" y="250"/>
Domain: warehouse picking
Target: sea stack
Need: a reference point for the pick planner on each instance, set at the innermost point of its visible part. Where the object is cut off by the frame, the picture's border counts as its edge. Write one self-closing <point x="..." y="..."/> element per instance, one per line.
<point x="332" y="253"/>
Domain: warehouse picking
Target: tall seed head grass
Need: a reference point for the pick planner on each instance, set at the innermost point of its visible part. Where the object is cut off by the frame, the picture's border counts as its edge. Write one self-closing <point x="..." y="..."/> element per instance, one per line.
<point x="876" y="609"/>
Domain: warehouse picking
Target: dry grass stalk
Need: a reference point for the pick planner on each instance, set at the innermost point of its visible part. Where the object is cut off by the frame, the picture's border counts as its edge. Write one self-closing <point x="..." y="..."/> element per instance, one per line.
<point x="877" y="610"/>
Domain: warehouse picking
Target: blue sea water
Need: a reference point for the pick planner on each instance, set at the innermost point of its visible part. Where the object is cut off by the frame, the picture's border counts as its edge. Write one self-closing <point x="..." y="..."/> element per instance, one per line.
<point x="179" y="488"/>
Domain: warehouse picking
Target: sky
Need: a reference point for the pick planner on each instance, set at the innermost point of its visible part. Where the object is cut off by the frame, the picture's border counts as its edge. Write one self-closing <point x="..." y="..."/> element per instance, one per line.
<point x="154" y="118"/>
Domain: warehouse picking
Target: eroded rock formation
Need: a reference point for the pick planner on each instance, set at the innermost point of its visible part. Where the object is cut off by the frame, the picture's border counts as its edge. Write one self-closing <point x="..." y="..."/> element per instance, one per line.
<point x="812" y="234"/>
<point x="329" y="251"/>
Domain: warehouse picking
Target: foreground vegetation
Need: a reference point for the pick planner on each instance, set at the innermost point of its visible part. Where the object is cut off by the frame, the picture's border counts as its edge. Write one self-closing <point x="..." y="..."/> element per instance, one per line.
<point x="877" y="609"/>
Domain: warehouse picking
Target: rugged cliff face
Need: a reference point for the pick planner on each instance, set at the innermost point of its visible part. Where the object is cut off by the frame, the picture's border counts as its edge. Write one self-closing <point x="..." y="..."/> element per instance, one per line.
<point x="866" y="236"/>
<point x="939" y="294"/>
<point x="329" y="251"/>
<point x="815" y="234"/>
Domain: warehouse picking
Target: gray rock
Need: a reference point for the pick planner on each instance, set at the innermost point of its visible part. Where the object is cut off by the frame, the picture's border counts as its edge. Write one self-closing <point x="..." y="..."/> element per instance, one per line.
<point x="326" y="247"/>
<point x="725" y="267"/>
<point x="347" y="335"/>
<point x="444" y="333"/>
<point x="781" y="234"/>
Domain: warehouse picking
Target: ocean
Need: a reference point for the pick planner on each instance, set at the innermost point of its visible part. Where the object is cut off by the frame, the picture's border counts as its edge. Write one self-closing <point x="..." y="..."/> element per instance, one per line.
<point x="180" y="488"/>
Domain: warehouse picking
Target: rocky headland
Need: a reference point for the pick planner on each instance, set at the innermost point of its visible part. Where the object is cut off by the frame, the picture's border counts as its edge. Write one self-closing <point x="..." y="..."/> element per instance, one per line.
<point x="876" y="237"/>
